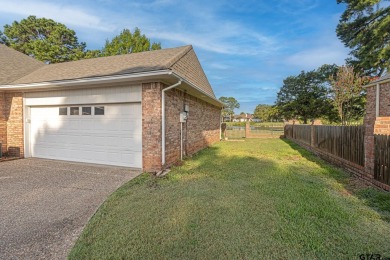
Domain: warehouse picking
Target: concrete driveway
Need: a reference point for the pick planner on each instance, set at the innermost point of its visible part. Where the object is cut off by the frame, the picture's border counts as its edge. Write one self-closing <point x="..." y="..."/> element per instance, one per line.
<point x="45" y="204"/>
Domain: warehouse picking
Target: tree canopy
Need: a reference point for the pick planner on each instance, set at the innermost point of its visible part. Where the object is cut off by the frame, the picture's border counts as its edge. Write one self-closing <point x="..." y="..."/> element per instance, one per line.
<point x="267" y="113"/>
<point x="43" y="39"/>
<point x="127" y="42"/>
<point x="364" y="27"/>
<point x="53" y="42"/>
<point x="305" y="96"/>
<point x="230" y="104"/>
<point x="347" y="94"/>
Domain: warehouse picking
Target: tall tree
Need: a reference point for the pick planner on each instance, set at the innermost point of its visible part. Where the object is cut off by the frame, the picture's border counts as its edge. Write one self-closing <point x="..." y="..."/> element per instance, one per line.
<point x="347" y="93"/>
<point x="43" y="39"/>
<point x="230" y="104"/>
<point x="304" y="97"/>
<point x="267" y="113"/>
<point x="127" y="42"/>
<point x="262" y="112"/>
<point x="364" y="27"/>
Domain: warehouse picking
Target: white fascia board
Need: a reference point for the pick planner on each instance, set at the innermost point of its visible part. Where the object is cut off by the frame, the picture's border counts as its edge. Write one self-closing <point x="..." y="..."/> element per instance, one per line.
<point x="86" y="81"/>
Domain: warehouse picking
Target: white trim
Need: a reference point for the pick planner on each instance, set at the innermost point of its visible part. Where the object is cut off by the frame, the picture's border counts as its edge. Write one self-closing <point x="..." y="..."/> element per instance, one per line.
<point x="93" y="80"/>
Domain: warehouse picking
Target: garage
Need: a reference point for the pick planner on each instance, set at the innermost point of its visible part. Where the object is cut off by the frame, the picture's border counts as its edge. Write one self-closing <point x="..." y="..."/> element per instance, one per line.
<point x="93" y="132"/>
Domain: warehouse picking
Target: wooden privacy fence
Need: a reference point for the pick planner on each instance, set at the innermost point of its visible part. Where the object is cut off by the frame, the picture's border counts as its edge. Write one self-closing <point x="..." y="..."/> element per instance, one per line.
<point x="346" y="142"/>
<point x="382" y="160"/>
<point x="298" y="132"/>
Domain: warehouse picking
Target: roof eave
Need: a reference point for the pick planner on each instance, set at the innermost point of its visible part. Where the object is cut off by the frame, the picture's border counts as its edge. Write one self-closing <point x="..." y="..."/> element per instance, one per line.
<point x="85" y="81"/>
<point x="140" y="76"/>
<point x="379" y="81"/>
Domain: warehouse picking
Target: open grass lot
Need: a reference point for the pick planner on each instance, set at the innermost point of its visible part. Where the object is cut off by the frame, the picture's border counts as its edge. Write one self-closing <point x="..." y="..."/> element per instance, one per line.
<point x="258" y="199"/>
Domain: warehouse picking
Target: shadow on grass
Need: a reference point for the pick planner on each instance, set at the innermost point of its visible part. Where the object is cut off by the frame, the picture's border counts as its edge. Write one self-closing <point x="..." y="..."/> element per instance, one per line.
<point x="238" y="200"/>
<point x="375" y="198"/>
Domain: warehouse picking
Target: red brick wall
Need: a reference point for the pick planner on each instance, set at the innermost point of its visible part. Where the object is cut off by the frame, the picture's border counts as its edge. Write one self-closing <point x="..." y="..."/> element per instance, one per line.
<point x="376" y="125"/>
<point x="201" y="129"/>
<point x="384" y="99"/>
<point x="11" y="123"/>
<point x="369" y="122"/>
<point x="151" y="126"/>
<point x="382" y="126"/>
<point x="3" y="123"/>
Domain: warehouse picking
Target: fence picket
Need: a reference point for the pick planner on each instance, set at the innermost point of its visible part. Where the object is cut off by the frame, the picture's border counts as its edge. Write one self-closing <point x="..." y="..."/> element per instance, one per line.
<point x="346" y="142"/>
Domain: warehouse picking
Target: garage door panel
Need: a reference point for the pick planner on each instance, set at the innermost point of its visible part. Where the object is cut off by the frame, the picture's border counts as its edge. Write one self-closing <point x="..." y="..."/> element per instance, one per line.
<point x="113" y="138"/>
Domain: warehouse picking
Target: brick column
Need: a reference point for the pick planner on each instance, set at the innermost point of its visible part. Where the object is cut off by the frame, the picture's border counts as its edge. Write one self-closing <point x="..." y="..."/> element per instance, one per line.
<point x="15" y="132"/>
<point x="247" y="130"/>
<point x="151" y="126"/>
<point x="369" y="122"/>
<point x="382" y="125"/>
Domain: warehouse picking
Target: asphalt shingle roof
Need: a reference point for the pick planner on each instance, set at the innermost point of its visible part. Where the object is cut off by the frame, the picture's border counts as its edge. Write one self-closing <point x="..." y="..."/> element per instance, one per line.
<point x="181" y="60"/>
<point x="14" y="64"/>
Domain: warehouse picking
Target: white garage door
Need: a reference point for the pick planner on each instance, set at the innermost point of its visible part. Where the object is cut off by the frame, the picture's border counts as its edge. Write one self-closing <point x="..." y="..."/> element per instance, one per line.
<point x="105" y="134"/>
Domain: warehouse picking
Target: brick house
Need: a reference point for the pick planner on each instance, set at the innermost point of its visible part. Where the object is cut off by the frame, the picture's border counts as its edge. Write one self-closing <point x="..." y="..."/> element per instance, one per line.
<point x="377" y="118"/>
<point x="143" y="110"/>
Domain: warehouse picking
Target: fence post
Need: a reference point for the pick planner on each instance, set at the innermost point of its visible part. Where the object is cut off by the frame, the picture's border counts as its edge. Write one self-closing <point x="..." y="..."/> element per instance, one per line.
<point x="312" y="134"/>
<point x="292" y="130"/>
<point x="247" y="130"/>
<point x="223" y="131"/>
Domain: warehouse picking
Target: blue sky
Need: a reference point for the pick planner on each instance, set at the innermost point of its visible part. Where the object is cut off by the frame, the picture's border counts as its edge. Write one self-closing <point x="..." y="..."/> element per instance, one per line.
<point x="245" y="47"/>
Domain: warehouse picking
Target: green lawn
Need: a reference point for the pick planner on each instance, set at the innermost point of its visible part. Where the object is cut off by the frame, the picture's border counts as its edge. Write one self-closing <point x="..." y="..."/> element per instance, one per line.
<point x="258" y="199"/>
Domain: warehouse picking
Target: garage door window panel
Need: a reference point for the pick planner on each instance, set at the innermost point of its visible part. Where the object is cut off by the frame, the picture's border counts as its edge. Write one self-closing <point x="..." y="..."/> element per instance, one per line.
<point x="74" y="111"/>
<point x="99" y="111"/>
<point x="86" y="111"/>
<point x="63" y="111"/>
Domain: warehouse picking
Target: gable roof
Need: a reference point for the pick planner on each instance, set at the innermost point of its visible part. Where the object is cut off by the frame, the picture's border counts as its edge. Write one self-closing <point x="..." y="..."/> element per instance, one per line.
<point x="15" y="65"/>
<point x="181" y="60"/>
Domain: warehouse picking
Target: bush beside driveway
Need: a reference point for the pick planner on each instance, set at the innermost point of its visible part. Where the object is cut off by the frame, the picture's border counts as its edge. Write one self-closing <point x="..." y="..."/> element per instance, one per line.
<point x="258" y="199"/>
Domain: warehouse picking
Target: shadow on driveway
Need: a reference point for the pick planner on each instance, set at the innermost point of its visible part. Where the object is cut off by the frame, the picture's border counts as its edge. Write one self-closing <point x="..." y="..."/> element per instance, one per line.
<point x="45" y="204"/>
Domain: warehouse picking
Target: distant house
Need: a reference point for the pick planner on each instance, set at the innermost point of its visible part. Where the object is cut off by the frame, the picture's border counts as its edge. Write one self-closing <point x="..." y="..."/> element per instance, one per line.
<point x="245" y="117"/>
<point x="142" y="110"/>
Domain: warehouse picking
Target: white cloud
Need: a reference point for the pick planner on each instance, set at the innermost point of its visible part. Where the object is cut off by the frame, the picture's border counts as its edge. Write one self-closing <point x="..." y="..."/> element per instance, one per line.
<point x="69" y="15"/>
<point x="326" y="48"/>
<point x="313" y="58"/>
<point x="235" y="40"/>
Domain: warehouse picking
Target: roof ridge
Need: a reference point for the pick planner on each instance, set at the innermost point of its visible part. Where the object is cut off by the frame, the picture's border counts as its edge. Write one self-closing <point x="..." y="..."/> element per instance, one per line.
<point x="8" y="48"/>
<point x="114" y="56"/>
<point x="179" y="56"/>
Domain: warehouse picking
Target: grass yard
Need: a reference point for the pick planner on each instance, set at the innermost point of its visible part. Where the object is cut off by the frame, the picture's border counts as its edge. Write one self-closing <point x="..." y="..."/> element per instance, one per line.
<point x="258" y="199"/>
